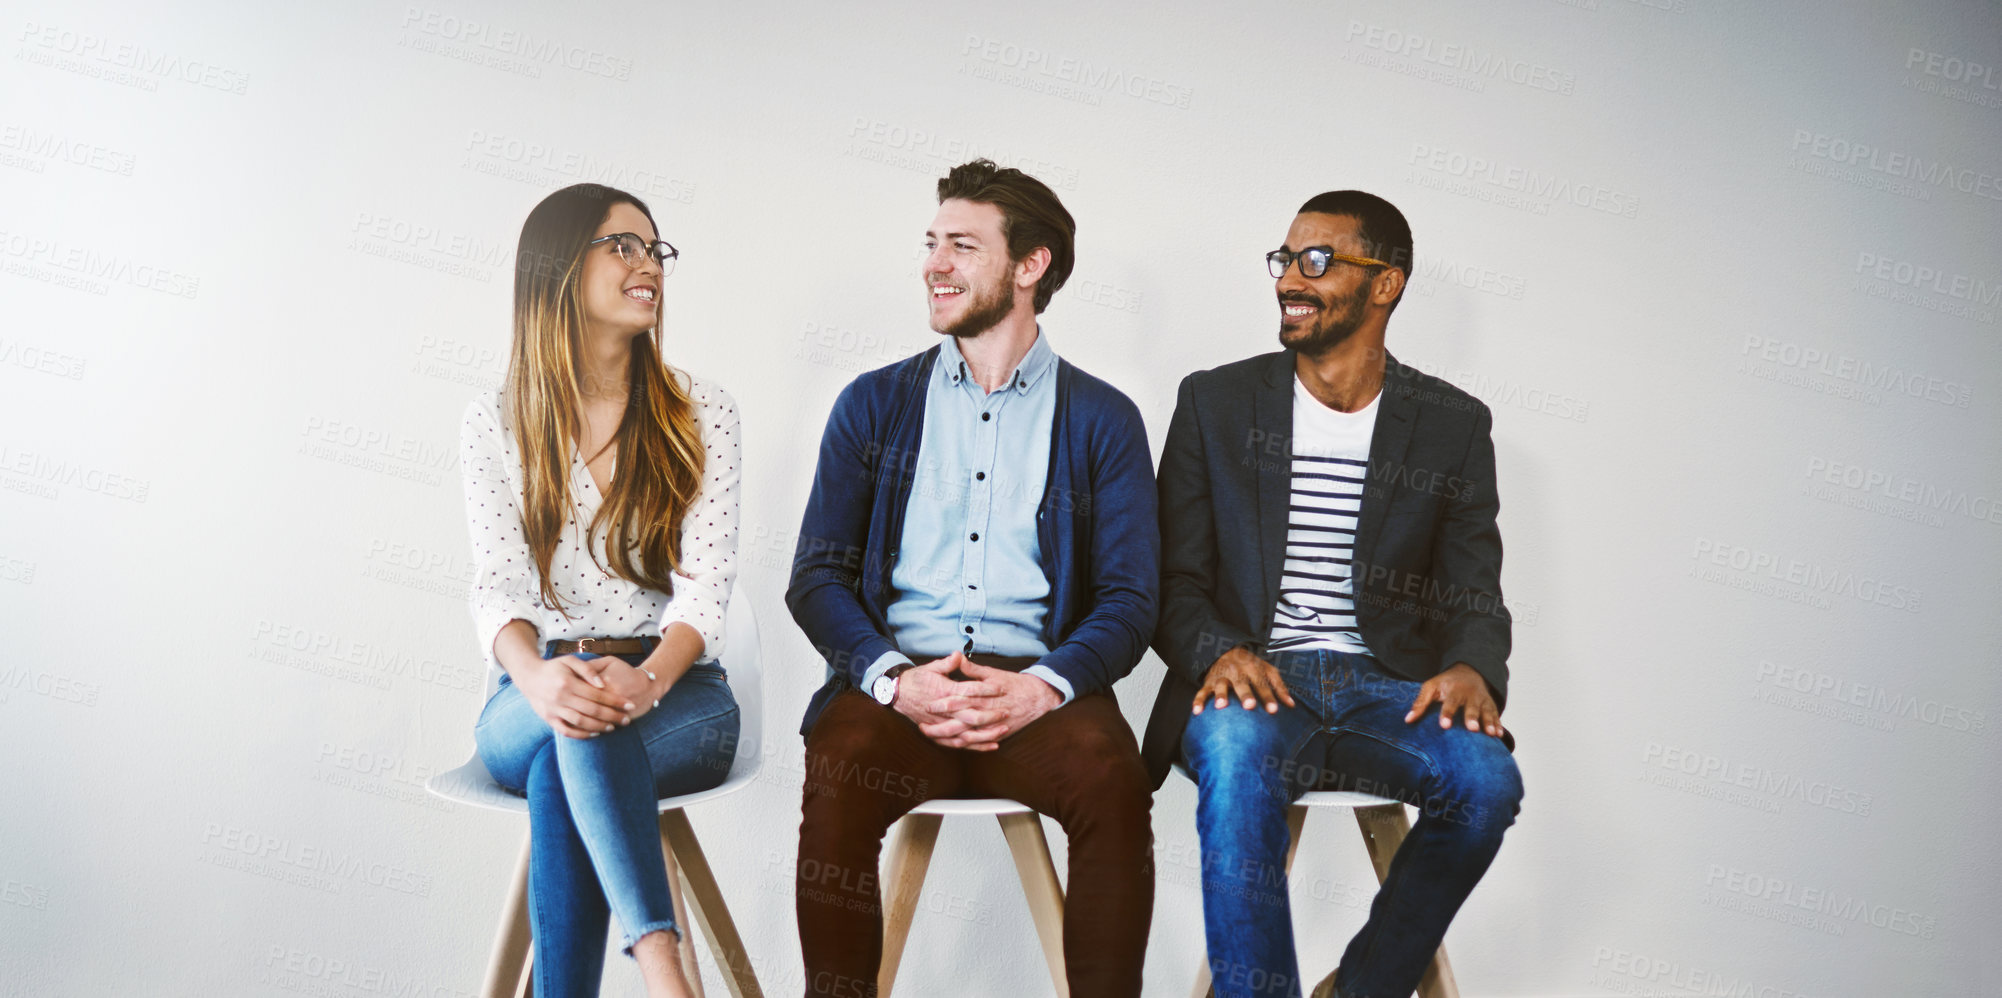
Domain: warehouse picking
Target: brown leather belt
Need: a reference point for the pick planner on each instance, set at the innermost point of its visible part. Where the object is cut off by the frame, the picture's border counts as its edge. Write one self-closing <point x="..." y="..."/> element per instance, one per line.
<point x="606" y="646"/>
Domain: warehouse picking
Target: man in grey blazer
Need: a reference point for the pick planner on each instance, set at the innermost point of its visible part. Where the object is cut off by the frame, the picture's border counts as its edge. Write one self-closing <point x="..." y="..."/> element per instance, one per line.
<point x="1331" y="611"/>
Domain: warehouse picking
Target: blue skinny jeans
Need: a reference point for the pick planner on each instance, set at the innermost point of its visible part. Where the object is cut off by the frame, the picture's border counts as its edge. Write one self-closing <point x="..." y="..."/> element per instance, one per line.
<point x="594" y="836"/>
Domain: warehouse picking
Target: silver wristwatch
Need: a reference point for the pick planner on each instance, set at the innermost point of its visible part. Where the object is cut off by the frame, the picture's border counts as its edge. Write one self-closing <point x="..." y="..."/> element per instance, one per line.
<point x="884" y="689"/>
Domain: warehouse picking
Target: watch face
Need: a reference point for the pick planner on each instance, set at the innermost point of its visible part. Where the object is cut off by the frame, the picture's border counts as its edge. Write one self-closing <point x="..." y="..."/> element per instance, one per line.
<point x="885" y="690"/>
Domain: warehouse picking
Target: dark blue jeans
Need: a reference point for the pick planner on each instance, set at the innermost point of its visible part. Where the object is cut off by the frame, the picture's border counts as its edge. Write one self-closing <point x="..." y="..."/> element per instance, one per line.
<point x="1348" y="733"/>
<point x="594" y="836"/>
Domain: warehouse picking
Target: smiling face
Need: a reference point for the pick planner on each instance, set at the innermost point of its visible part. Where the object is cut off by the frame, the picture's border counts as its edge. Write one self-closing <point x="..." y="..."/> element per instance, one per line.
<point x="967" y="273"/>
<point x="617" y="297"/>
<point x="1318" y="313"/>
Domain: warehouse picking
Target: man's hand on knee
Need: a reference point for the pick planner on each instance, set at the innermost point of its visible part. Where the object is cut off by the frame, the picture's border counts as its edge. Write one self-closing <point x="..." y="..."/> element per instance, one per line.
<point x="1460" y="691"/>
<point x="1247" y="677"/>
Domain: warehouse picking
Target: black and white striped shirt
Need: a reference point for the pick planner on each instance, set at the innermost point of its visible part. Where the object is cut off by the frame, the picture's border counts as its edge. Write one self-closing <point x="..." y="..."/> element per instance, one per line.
<point x="1330" y="460"/>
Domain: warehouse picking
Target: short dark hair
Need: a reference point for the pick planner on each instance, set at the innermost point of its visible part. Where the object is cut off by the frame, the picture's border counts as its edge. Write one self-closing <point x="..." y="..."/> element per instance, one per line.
<point x="1031" y="216"/>
<point x="1385" y="234"/>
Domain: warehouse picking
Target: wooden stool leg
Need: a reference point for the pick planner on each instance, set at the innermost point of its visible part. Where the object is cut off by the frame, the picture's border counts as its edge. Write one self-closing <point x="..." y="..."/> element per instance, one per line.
<point x="705" y="898"/>
<point x="907" y="858"/>
<point x="1296" y="819"/>
<point x="690" y="969"/>
<point x="1438" y="981"/>
<point x="507" y="967"/>
<point x="1383" y="830"/>
<point x="1031" y="850"/>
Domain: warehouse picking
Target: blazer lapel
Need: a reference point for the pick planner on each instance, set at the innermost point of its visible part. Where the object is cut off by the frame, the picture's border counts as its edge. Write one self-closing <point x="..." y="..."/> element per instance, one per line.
<point x="1271" y="460"/>
<point x="1396" y="416"/>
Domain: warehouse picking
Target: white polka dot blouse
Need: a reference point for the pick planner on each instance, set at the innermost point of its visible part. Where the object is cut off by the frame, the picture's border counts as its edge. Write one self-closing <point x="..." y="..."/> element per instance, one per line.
<point x="505" y="585"/>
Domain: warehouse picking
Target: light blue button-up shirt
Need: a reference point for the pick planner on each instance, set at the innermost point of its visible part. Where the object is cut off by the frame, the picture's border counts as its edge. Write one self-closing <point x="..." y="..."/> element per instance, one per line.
<point x="969" y="569"/>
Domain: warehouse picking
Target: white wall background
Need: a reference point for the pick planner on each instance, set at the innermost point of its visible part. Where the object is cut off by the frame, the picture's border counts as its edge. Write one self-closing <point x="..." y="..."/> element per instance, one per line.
<point x="1727" y="273"/>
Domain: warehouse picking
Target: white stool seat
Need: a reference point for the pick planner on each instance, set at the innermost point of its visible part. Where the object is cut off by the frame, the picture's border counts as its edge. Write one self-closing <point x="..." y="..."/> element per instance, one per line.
<point x="995" y="806"/>
<point x="1341" y="798"/>
<point x="473" y="786"/>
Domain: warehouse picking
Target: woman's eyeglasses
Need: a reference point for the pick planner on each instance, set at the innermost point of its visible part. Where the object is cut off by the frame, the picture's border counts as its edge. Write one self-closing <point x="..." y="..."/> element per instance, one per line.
<point x="633" y="250"/>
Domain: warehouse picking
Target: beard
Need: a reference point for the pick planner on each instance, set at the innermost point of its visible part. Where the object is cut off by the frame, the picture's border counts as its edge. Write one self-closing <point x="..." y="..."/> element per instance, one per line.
<point x="1337" y="321"/>
<point x="987" y="306"/>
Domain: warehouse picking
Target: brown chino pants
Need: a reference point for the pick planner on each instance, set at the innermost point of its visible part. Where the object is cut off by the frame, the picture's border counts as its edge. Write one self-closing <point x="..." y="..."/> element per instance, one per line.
<point x="867" y="764"/>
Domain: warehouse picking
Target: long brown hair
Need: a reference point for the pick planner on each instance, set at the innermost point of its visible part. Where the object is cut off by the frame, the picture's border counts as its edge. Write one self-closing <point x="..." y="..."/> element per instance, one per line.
<point x="659" y="470"/>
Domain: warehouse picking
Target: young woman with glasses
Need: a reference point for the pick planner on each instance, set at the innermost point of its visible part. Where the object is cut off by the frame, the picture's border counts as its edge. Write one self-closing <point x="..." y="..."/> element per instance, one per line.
<point x="601" y="495"/>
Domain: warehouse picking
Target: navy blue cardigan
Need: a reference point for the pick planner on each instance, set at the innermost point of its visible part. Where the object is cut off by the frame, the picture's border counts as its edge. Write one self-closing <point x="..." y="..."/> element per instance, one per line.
<point x="1096" y="524"/>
